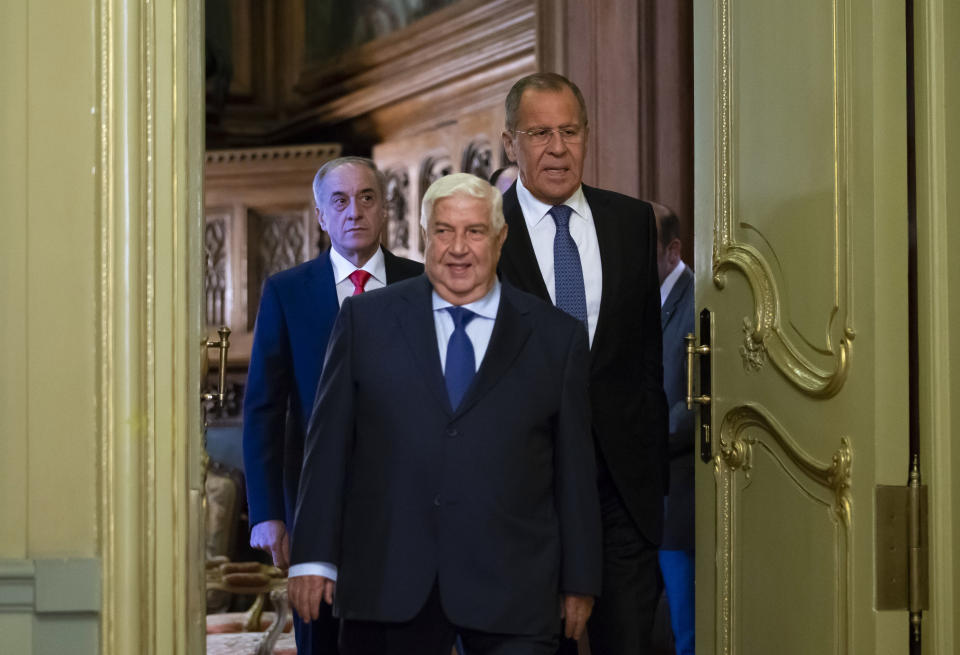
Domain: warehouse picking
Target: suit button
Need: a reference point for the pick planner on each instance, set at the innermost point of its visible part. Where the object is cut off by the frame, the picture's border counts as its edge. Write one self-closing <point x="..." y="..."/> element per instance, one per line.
<point x="452" y="432"/>
<point x="436" y="501"/>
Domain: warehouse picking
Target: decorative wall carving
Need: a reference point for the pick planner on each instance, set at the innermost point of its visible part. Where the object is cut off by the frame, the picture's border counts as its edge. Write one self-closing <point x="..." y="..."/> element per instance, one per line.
<point x="398" y="218"/>
<point x="432" y="169"/>
<point x="215" y="269"/>
<point x="242" y="160"/>
<point x="478" y="159"/>
<point x="412" y="163"/>
<point x="283" y="242"/>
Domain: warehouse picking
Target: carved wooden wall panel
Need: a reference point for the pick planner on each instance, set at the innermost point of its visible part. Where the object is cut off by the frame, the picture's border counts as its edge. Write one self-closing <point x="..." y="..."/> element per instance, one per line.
<point x="470" y="144"/>
<point x="398" y="208"/>
<point x="278" y="238"/>
<point x="216" y="245"/>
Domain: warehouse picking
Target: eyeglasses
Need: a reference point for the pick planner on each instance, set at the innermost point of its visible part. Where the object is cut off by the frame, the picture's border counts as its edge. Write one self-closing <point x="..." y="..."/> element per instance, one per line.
<point x="541" y="136"/>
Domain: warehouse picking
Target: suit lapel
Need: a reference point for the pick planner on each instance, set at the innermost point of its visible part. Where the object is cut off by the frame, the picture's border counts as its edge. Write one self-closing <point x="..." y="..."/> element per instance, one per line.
<point x="390" y="263"/>
<point x="322" y="289"/>
<point x="609" y="243"/>
<point x="420" y="331"/>
<point x="510" y="332"/>
<point x="518" y="257"/>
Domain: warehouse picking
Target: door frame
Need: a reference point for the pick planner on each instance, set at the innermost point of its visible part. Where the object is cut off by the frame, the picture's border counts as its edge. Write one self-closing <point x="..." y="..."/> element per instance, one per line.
<point x="936" y="24"/>
<point x="149" y="177"/>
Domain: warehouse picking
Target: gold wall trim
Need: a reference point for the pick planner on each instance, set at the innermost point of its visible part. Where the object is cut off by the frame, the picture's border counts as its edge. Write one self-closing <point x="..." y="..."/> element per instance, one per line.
<point x="765" y="333"/>
<point x="743" y="428"/>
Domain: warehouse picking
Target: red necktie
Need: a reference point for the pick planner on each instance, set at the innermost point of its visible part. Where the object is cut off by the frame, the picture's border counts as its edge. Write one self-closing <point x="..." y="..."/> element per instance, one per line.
<point x="359" y="278"/>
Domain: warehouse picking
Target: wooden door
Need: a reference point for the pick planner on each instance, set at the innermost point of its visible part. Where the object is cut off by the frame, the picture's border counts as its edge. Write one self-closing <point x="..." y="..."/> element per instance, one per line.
<point x="801" y="259"/>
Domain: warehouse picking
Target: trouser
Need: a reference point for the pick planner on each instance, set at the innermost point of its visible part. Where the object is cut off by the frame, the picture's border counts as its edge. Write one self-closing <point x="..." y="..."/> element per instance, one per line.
<point x="430" y="632"/>
<point x="622" y="619"/>
<point x="317" y="637"/>
<point x="677" y="567"/>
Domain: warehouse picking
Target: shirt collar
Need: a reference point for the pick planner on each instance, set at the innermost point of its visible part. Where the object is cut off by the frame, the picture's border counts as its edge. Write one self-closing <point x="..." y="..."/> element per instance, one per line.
<point x="485" y="307"/>
<point x="669" y="281"/>
<point x="376" y="266"/>
<point x="535" y="211"/>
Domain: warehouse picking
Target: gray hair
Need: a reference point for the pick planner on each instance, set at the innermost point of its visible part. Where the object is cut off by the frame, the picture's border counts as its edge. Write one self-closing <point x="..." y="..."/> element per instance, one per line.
<point x="541" y="82"/>
<point x="464" y="184"/>
<point x="334" y="164"/>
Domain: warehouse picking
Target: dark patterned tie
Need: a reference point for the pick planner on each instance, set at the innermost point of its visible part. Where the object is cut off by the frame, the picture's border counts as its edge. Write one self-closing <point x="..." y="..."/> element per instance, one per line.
<point x="359" y="278"/>
<point x="460" y="365"/>
<point x="567" y="271"/>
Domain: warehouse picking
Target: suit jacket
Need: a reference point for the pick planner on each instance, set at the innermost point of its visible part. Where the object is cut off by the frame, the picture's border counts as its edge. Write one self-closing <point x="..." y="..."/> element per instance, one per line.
<point x="495" y="501"/>
<point x="626" y="378"/>
<point x="677" y="319"/>
<point x="297" y="310"/>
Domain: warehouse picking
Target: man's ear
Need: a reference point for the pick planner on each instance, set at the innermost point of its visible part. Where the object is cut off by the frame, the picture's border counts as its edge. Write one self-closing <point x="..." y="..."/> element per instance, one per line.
<point x="673" y="252"/>
<point x="319" y="218"/>
<point x="508" y="145"/>
<point x="502" y="236"/>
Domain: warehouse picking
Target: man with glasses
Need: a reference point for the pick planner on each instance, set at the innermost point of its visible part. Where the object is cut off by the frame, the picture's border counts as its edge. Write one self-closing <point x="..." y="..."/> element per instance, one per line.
<point x="593" y="253"/>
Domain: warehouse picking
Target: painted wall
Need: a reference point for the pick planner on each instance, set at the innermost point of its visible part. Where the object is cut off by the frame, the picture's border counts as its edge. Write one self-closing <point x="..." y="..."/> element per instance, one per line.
<point x="48" y="249"/>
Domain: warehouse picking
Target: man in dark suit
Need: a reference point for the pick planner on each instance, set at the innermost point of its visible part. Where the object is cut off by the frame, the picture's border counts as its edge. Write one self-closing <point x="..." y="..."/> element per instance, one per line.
<point x="677" y="321"/>
<point x="593" y="253"/>
<point x="448" y="483"/>
<point x="297" y="310"/>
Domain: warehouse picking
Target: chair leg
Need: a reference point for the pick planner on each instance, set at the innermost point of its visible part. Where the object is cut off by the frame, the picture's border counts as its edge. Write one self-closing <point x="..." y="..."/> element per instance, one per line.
<point x="251" y="619"/>
<point x="282" y="608"/>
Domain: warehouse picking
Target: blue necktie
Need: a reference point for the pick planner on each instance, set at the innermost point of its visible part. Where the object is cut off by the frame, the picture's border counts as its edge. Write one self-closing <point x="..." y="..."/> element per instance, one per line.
<point x="567" y="271"/>
<point x="460" y="365"/>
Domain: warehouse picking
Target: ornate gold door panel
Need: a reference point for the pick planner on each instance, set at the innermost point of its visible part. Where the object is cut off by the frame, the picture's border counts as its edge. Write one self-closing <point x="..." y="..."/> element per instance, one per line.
<point x="801" y="258"/>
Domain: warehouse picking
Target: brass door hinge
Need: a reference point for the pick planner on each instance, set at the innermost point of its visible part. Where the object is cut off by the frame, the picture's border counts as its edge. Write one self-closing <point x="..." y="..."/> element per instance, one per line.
<point x="903" y="568"/>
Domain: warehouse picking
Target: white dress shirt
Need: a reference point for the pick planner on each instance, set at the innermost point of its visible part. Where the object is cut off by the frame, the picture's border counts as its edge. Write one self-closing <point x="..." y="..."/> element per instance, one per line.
<point x="479" y="329"/>
<point x="670" y="280"/>
<point x="542" y="231"/>
<point x="376" y="266"/>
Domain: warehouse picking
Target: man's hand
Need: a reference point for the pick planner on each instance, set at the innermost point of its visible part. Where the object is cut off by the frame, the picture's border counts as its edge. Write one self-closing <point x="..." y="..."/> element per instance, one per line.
<point x="576" y="611"/>
<point x="306" y="592"/>
<point x="272" y="537"/>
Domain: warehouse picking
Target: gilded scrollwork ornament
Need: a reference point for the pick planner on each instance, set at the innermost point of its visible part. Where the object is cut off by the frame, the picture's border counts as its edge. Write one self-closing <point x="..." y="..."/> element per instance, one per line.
<point x="743" y="429"/>
<point x="801" y="365"/>
<point x="753" y="352"/>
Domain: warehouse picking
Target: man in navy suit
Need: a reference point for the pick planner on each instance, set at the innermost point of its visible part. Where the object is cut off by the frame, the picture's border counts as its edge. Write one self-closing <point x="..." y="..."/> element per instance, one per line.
<point x="448" y="482"/>
<point x="677" y="321"/>
<point x="594" y="254"/>
<point x="297" y="310"/>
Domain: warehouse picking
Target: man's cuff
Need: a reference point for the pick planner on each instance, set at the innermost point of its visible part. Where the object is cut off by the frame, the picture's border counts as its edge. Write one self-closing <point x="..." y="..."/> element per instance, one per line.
<point x="327" y="570"/>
